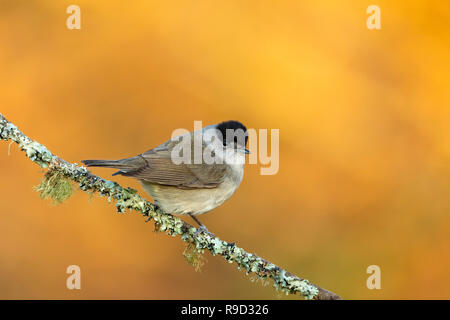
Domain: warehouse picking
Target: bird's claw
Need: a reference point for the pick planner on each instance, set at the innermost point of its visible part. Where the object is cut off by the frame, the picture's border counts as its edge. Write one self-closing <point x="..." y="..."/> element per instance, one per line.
<point x="202" y="229"/>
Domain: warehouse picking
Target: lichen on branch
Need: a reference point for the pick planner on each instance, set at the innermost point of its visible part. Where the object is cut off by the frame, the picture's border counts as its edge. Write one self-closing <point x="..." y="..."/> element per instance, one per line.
<point x="57" y="185"/>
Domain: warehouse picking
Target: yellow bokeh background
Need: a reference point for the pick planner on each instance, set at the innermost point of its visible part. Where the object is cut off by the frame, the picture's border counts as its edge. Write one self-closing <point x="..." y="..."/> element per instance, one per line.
<point x="363" y="116"/>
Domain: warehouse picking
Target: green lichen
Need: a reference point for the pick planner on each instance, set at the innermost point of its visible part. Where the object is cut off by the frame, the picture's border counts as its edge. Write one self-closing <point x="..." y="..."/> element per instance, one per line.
<point x="168" y="223"/>
<point x="194" y="256"/>
<point x="217" y="247"/>
<point x="7" y="129"/>
<point x="34" y="150"/>
<point x="128" y="199"/>
<point x="308" y="291"/>
<point x="55" y="186"/>
<point x="37" y="153"/>
<point x="290" y="284"/>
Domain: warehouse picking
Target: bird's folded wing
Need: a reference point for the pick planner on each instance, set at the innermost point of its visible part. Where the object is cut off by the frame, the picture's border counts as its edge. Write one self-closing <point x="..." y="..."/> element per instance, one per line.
<point x="162" y="170"/>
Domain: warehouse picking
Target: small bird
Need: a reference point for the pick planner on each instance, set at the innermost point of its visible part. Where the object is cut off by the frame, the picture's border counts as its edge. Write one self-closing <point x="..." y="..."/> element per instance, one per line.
<point x="193" y="186"/>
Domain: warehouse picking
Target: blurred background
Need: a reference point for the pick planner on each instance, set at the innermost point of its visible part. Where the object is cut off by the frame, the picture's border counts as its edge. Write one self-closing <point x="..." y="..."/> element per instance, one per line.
<point x="364" y="174"/>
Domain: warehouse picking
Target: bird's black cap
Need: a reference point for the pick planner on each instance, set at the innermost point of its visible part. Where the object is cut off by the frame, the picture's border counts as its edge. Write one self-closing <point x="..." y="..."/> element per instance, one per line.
<point x="232" y="125"/>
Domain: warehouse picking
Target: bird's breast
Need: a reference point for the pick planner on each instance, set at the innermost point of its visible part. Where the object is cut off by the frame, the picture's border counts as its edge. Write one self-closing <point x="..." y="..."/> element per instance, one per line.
<point x="174" y="200"/>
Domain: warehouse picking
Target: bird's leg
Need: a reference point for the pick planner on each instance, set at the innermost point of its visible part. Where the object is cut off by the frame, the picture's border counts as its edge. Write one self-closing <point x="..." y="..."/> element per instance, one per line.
<point x="201" y="225"/>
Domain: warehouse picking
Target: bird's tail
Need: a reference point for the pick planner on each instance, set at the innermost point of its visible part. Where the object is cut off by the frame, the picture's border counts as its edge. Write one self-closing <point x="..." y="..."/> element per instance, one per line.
<point x="124" y="165"/>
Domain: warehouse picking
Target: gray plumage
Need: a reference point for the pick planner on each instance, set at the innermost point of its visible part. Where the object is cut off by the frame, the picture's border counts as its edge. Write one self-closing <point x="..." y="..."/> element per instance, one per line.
<point x="185" y="188"/>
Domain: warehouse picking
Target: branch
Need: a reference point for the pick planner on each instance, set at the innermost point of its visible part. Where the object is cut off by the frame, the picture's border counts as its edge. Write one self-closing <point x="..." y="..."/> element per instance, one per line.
<point x="57" y="185"/>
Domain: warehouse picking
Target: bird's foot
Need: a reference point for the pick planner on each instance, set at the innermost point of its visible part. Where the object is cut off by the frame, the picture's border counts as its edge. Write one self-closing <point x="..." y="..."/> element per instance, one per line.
<point x="203" y="229"/>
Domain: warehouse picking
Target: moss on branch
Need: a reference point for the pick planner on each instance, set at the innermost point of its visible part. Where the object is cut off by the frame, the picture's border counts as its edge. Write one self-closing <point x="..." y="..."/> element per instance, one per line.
<point x="57" y="185"/>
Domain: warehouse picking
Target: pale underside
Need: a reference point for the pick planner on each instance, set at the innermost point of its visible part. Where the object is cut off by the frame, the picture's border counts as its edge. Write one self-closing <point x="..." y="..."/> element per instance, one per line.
<point x="185" y="188"/>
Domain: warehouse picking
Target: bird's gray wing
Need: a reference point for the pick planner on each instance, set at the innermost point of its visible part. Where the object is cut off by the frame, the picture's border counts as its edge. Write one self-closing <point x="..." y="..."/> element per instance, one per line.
<point x="162" y="170"/>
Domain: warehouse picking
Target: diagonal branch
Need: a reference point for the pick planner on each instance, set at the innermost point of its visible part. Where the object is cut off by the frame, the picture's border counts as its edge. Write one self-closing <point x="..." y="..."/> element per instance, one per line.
<point x="57" y="185"/>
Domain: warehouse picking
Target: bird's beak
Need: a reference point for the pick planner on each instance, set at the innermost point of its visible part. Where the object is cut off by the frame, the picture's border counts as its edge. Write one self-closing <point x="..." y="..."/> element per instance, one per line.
<point x="244" y="151"/>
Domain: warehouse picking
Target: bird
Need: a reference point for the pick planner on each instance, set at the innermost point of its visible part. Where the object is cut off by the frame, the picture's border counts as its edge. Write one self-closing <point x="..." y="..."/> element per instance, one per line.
<point x="178" y="180"/>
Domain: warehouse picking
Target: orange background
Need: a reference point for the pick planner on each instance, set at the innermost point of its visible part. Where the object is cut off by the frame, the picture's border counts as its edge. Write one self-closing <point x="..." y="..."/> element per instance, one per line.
<point x="364" y="142"/>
